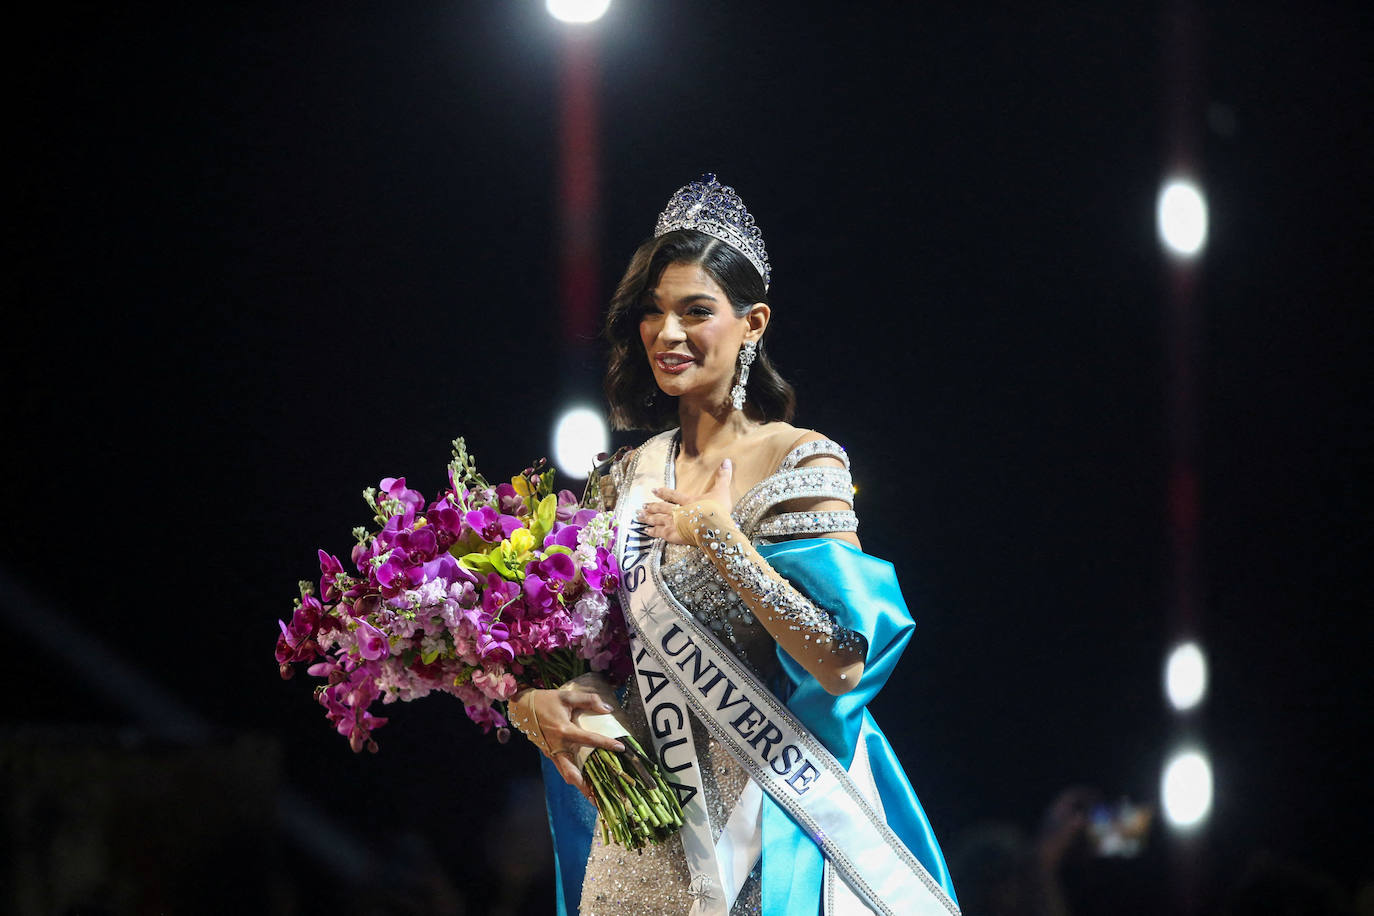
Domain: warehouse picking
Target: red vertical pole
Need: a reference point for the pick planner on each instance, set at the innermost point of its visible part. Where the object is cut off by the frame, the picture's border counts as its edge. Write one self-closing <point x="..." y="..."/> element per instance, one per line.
<point x="579" y="190"/>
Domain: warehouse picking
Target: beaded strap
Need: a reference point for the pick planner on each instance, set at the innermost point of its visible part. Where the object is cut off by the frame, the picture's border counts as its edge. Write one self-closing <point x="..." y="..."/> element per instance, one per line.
<point x="795" y="483"/>
<point x="827" y="447"/>
<point x="790" y="524"/>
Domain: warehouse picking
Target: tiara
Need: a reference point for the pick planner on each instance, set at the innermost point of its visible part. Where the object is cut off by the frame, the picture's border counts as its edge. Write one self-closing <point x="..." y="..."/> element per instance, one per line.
<point x="708" y="206"/>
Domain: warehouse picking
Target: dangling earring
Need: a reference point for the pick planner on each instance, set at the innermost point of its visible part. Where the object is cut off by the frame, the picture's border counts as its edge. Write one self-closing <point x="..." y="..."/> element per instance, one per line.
<point x="650" y="398"/>
<point x="746" y="359"/>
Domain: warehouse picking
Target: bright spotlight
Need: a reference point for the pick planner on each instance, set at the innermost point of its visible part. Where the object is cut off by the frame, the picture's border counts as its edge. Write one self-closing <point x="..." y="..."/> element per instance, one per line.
<point x="1186" y="789"/>
<point x="1181" y="218"/>
<point x="578" y="437"/>
<point x="577" y="10"/>
<point x="1185" y="676"/>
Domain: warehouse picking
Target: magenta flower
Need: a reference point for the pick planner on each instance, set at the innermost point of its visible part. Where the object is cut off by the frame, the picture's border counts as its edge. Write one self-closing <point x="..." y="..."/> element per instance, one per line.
<point x="331" y="570"/>
<point x="500" y="597"/>
<point x="567" y="506"/>
<point x="493" y="645"/>
<point x="491" y="526"/>
<point x="393" y="576"/>
<point x="488" y="717"/>
<point x="446" y="521"/>
<point x="362" y="554"/>
<point x="509" y="501"/>
<point x="346" y="704"/>
<point x="297" y="640"/>
<point x="546" y="579"/>
<point x="418" y="543"/>
<point x="605" y="575"/>
<point x="372" y="642"/>
<point x="563" y="536"/>
<point x="395" y="488"/>
<point x="441" y="567"/>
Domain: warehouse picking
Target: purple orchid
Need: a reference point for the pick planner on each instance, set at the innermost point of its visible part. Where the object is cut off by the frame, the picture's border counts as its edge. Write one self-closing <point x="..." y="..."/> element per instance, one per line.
<point x="493" y="645"/>
<point x="395" y="488"/>
<point x="488" y="717"/>
<point x="567" y="506"/>
<point x="418" y="543"/>
<point x="509" y="501"/>
<point x="491" y="526"/>
<point x="563" y="536"/>
<point x="331" y="570"/>
<point x="546" y="579"/>
<point x="393" y="576"/>
<point x="605" y="575"/>
<point x="372" y="642"/>
<point x="446" y="521"/>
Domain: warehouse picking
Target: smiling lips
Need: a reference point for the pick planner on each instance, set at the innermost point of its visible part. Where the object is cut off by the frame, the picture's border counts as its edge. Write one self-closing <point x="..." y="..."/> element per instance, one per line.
<point x="673" y="363"/>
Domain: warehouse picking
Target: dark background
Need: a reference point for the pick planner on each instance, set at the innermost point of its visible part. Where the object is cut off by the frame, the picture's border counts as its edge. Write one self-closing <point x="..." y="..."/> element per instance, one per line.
<point x="266" y="254"/>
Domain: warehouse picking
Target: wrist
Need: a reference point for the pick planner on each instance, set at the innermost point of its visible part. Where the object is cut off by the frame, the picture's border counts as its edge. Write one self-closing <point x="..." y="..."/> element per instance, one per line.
<point x="694" y="519"/>
<point x="520" y="712"/>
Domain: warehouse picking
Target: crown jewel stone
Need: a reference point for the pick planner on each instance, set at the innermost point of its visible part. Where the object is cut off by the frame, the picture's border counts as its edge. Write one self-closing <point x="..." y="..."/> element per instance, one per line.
<point x="708" y="206"/>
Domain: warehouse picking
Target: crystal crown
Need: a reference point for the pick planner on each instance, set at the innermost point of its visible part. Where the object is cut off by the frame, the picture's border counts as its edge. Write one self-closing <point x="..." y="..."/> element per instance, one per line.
<point x="708" y="206"/>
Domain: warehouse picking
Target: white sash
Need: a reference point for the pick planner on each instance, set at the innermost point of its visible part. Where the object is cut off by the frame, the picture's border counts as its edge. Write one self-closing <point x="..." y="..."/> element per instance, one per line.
<point x="680" y="666"/>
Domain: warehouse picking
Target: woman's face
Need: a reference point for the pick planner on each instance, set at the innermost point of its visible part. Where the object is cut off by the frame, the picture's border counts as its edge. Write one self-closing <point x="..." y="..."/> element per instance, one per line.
<point x="691" y="334"/>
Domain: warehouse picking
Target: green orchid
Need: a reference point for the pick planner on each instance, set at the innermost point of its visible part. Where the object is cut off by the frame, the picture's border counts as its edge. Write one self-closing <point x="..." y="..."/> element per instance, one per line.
<point x="506" y="559"/>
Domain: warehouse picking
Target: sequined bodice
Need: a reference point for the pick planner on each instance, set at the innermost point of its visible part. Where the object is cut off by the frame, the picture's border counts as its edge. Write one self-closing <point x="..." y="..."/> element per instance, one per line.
<point x="656" y="881"/>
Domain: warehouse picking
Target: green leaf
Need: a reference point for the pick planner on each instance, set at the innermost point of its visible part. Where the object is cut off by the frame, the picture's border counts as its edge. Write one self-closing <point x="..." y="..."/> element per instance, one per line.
<point x="557" y="548"/>
<point x="427" y="657"/>
<point x="498" y="563"/>
<point x="478" y="562"/>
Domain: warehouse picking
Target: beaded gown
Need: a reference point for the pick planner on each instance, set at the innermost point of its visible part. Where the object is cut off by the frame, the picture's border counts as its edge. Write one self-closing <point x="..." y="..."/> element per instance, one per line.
<point x="655" y="882"/>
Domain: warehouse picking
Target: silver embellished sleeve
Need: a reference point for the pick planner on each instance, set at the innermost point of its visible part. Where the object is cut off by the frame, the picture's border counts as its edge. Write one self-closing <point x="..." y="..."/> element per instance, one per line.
<point x="792" y="524"/>
<point x="795" y="483"/>
<point x="807" y="632"/>
<point x="792" y="482"/>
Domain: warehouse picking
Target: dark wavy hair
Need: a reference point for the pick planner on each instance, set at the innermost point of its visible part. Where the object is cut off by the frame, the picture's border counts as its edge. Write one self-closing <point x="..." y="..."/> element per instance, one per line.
<point x="636" y="402"/>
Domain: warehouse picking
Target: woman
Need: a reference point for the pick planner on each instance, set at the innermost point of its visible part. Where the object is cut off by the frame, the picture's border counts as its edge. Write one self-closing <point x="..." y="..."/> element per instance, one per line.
<point x="761" y="628"/>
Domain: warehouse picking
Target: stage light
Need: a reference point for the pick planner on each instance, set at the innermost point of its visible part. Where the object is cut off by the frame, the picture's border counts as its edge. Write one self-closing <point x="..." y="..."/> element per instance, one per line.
<point x="578" y="437"/>
<point x="1186" y="789"/>
<point x="1181" y="218"/>
<point x="577" y="10"/>
<point x="1185" y="676"/>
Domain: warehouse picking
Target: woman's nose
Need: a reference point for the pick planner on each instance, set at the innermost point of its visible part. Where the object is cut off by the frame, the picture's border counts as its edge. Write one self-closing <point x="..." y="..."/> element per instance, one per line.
<point x="672" y="330"/>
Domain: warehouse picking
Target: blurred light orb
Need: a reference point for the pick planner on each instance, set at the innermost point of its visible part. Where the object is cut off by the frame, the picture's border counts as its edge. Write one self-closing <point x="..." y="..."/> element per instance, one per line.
<point x="1181" y="218"/>
<point x="577" y="10"/>
<point x="1185" y="676"/>
<point x="578" y="437"/>
<point x="1186" y="789"/>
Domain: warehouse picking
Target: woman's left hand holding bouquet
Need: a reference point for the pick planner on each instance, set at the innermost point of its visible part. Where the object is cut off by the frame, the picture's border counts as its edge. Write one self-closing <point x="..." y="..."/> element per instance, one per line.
<point x="546" y="718"/>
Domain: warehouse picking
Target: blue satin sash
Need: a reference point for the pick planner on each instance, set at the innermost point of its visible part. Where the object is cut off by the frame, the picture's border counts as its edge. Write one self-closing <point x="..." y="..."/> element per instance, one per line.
<point x="572" y="821"/>
<point x="862" y="592"/>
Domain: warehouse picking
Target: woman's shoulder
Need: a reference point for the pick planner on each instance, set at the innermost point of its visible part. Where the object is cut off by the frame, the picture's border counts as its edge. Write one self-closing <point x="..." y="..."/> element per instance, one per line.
<point x="791" y="446"/>
<point x="808" y="494"/>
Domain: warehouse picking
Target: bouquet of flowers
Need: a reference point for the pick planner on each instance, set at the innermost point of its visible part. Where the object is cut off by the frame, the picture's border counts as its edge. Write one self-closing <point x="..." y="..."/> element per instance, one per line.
<point x="482" y="592"/>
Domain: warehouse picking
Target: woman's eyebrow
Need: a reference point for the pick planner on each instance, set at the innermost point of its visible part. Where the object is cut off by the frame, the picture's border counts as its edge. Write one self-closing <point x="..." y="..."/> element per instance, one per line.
<point x="653" y="296"/>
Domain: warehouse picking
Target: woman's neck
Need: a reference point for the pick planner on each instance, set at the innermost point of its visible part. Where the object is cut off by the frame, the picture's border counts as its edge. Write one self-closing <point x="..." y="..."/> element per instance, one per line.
<point x="709" y="431"/>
